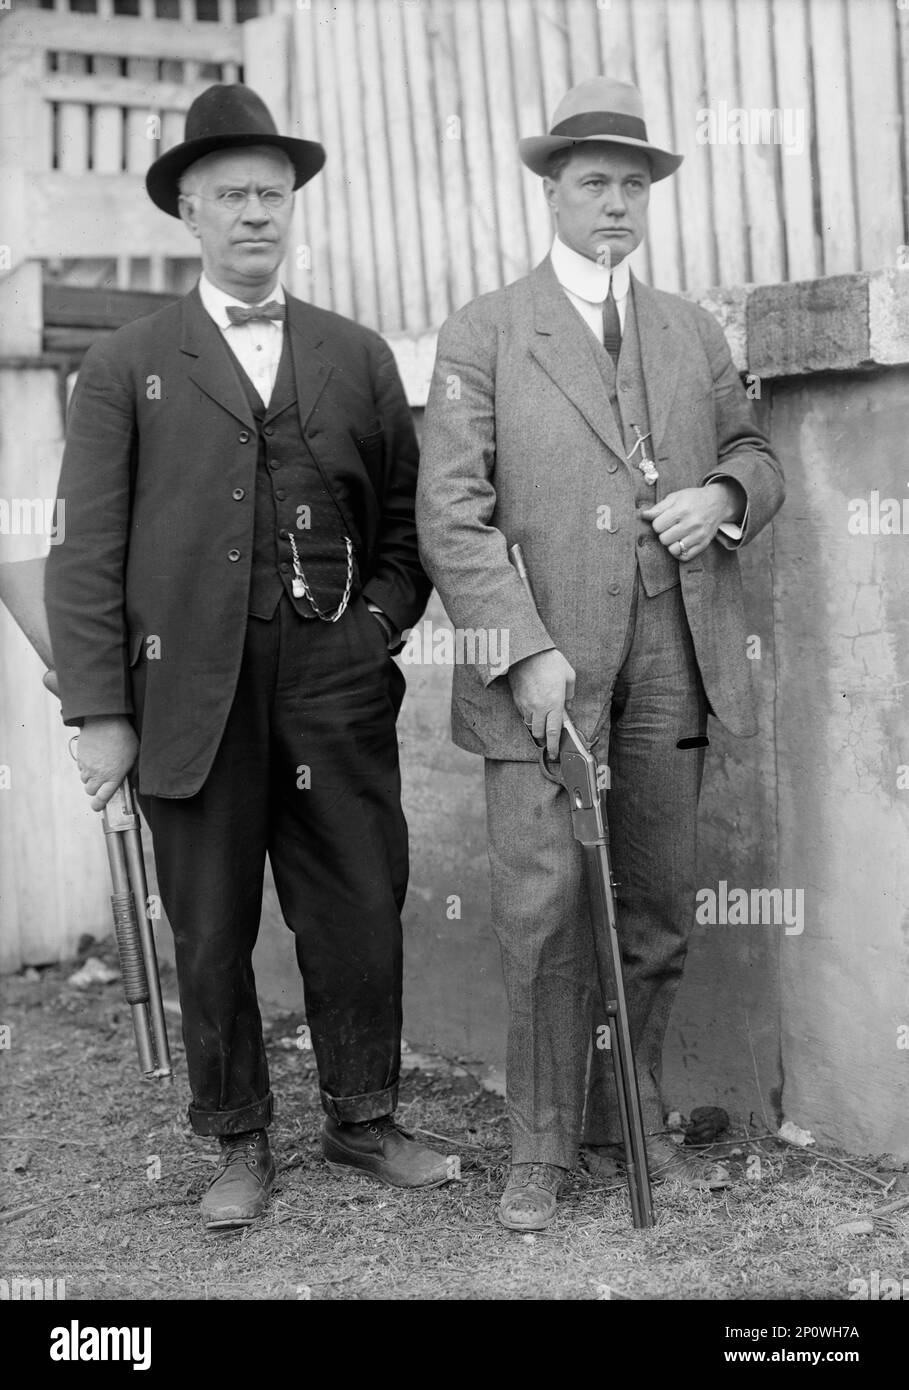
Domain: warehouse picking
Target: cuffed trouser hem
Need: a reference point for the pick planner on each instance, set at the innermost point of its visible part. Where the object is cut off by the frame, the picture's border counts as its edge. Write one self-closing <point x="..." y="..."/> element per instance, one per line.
<point x="347" y="1110"/>
<point x="545" y="1150"/>
<point x="258" y="1115"/>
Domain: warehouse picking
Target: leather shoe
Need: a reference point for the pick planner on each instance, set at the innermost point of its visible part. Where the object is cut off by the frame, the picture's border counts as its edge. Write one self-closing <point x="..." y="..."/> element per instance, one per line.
<point x="380" y="1149"/>
<point x="666" y="1162"/>
<point x="529" y="1200"/>
<point x="239" y="1192"/>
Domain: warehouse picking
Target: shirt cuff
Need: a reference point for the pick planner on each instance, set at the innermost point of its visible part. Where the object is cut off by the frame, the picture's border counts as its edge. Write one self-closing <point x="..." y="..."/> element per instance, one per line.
<point x="733" y="530"/>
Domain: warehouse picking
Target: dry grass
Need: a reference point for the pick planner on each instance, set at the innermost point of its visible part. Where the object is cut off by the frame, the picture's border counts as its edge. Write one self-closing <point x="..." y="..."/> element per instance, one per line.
<point x="80" y="1129"/>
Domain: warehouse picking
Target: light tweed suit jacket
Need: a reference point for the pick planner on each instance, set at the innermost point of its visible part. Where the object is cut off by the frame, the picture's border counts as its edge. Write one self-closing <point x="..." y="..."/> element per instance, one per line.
<point x="521" y="444"/>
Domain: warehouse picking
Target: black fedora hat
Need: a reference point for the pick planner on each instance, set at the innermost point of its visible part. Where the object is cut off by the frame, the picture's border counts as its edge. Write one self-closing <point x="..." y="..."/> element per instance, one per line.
<point x="226" y="116"/>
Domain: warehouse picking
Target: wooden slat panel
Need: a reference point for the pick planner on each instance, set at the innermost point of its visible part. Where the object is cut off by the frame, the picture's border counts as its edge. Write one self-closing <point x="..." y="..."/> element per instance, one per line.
<point x="72" y="306"/>
<point x="834" y="137"/>
<point x="582" y="20"/>
<point x="172" y="127"/>
<point x="124" y="37"/>
<point x="107" y="124"/>
<point x="484" y="232"/>
<point x="427" y="139"/>
<point x="398" y="132"/>
<point x="902" y="21"/>
<point x="876" y="127"/>
<point x="366" y="244"/>
<point x="686" y="63"/>
<point x="793" y="78"/>
<point x="311" y="271"/>
<point x="760" y="162"/>
<point x="531" y="119"/>
<point x="140" y="149"/>
<point x="113" y="90"/>
<point x="503" y="155"/>
<point x="450" y="120"/>
<point x="333" y="175"/>
<point x="73" y="123"/>
<point x="649" y="29"/>
<point x="727" y="202"/>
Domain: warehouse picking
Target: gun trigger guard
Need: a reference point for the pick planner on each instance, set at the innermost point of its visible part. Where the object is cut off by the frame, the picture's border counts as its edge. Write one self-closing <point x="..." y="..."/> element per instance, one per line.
<point x="544" y="768"/>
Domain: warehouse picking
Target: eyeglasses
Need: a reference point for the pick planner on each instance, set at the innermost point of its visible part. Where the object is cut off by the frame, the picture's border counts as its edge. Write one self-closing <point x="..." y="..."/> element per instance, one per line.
<point x="237" y="199"/>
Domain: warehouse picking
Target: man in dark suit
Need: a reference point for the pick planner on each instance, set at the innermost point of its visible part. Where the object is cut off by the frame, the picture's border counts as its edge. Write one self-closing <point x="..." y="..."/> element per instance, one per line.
<point x="240" y="557"/>
<point x="602" y="425"/>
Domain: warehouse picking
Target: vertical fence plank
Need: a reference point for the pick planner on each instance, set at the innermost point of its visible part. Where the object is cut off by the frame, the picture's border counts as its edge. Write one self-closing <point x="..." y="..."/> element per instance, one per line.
<point x="686" y="63"/>
<point x="73" y="121"/>
<point x="875" y="128"/>
<point x="582" y="19"/>
<point x="359" y="237"/>
<point x="452" y="115"/>
<point x="141" y="147"/>
<point x="834" y="137"/>
<point x="514" y="246"/>
<point x="484" y="229"/>
<point x="649" y="28"/>
<point x="760" y="157"/>
<point x="530" y="119"/>
<point x="311" y="268"/>
<point x="793" y="85"/>
<point x="402" y="160"/>
<point x="107" y="126"/>
<point x="617" y="50"/>
<point x="722" y="93"/>
<point x="427" y="145"/>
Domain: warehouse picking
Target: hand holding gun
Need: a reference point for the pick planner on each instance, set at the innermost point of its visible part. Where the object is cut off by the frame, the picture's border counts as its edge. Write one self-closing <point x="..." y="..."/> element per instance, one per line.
<point x="22" y="590"/>
<point x="576" y="771"/>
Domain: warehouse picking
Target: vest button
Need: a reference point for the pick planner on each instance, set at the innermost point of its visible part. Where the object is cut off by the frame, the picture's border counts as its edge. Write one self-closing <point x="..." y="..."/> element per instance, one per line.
<point x="611" y="466"/>
<point x="233" y="555"/>
<point x="623" y="386"/>
<point x="614" y="589"/>
<point x="269" y="429"/>
<point x="280" y="494"/>
<point x="243" y="436"/>
<point x="641" y="540"/>
<point x="274" y="463"/>
<point x="238" y="494"/>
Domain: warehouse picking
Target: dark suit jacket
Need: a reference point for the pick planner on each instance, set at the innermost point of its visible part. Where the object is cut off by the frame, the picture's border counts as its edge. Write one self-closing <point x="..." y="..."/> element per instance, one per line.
<point x="158" y="479"/>
<point x="521" y="444"/>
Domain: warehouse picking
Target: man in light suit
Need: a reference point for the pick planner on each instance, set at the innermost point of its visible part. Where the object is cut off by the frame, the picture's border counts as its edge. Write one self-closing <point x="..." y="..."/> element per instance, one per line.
<point x="240" y="557"/>
<point x="601" y="424"/>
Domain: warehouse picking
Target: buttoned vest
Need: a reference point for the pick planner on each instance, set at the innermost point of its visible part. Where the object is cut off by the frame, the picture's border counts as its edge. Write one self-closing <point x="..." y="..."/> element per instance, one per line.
<point x="628" y="397"/>
<point x="291" y="499"/>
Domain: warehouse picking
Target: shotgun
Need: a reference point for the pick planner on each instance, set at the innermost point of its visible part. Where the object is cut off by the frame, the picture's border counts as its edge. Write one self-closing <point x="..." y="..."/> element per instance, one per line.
<point x="576" y="771"/>
<point x="22" y="590"/>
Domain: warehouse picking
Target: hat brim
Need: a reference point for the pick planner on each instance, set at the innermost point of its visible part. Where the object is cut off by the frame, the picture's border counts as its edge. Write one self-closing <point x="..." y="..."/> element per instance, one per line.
<point x="536" y="150"/>
<point x="162" y="179"/>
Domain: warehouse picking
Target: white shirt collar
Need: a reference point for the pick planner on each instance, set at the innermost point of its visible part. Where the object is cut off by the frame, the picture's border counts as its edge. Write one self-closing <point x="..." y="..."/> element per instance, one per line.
<point x="586" y="278"/>
<point x="216" y="301"/>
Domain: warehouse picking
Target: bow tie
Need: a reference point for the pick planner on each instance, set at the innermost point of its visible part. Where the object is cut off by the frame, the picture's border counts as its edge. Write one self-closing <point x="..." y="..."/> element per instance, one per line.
<point x="272" y="310"/>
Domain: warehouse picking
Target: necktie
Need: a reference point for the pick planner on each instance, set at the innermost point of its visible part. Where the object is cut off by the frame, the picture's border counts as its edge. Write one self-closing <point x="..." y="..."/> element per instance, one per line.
<point x="272" y="310"/>
<point x="612" y="328"/>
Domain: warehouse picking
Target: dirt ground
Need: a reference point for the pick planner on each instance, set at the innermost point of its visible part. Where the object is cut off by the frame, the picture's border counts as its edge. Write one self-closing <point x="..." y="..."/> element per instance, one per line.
<point x="102" y="1176"/>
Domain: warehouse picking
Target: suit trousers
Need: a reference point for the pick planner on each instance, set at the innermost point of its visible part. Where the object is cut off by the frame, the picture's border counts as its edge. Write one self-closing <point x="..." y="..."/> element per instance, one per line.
<point x="307" y="774"/>
<point x="539" y="897"/>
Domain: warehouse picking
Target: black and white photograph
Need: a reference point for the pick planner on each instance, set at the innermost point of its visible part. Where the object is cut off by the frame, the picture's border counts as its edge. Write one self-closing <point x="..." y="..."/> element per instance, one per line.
<point x="454" y="669"/>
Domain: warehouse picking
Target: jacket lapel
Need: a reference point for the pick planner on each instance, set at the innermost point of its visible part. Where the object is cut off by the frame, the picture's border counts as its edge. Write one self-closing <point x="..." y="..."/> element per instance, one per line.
<point x="209" y="365"/>
<point x="661" y="353"/>
<point x="312" y="368"/>
<point x="562" y="346"/>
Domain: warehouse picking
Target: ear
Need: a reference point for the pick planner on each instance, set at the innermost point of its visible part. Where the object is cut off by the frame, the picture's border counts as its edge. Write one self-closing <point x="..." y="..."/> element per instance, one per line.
<point x="187" y="212"/>
<point x="551" y="193"/>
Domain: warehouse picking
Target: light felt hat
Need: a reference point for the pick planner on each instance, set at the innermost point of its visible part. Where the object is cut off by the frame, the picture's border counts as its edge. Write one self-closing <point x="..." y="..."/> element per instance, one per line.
<point x="223" y="117"/>
<point x="600" y="109"/>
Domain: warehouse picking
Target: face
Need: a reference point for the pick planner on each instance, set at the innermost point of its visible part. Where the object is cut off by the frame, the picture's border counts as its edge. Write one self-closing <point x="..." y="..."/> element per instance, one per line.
<point x="599" y="202"/>
<point x="241" y="250"/>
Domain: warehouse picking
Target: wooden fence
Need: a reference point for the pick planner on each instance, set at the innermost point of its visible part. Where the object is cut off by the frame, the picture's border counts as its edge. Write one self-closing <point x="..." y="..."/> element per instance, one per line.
<point x="423" y="202"/>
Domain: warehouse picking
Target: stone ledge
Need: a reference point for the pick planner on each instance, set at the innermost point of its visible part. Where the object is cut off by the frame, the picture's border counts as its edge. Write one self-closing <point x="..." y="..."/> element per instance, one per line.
<point x="839" y="323"/>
